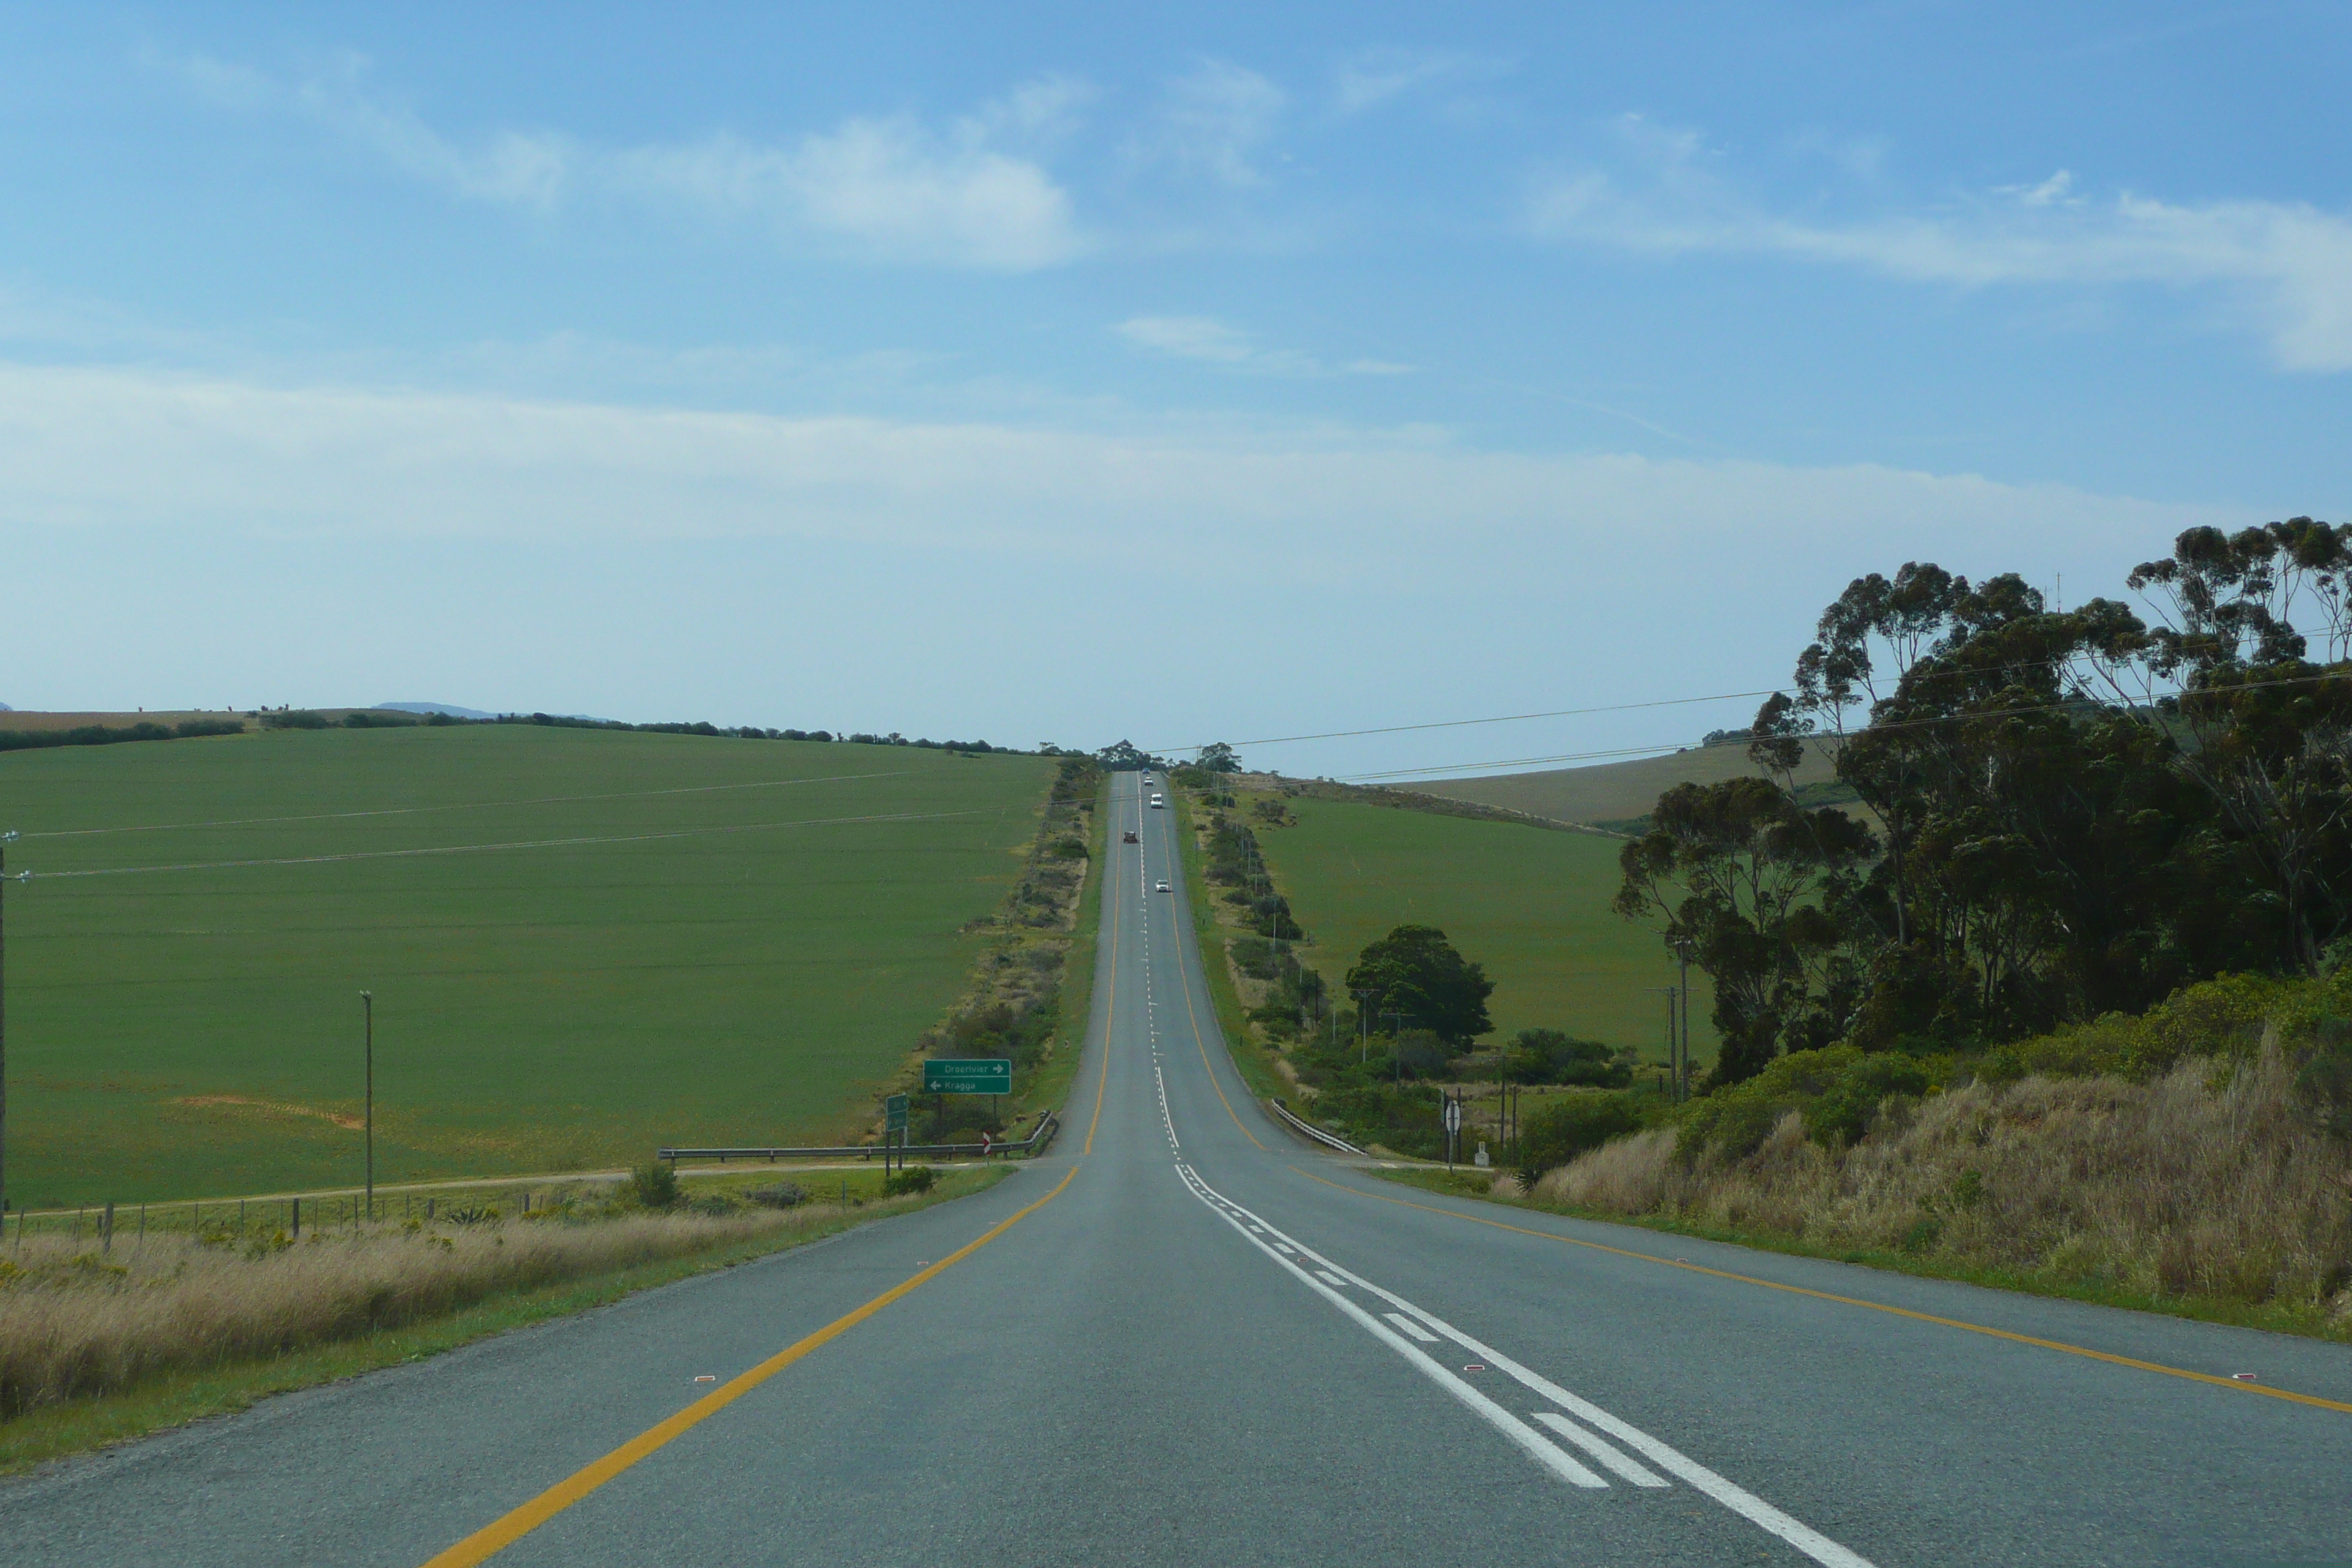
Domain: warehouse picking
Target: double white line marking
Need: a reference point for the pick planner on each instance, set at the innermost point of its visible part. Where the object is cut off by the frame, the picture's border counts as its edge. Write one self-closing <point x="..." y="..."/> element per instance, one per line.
<point x="1408" y="1328"/>
<point x="1165" y="1118"/>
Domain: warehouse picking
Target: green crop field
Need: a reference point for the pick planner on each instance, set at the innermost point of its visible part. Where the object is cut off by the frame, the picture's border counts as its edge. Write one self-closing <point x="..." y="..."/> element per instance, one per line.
<point x="1531" y="903"/>
<point x="581" y="944"/>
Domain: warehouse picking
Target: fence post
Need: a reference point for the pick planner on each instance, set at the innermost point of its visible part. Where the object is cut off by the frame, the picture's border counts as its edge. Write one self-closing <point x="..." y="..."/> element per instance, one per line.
<point x="106" y="1242"/>
<point x="295" y="1204"/>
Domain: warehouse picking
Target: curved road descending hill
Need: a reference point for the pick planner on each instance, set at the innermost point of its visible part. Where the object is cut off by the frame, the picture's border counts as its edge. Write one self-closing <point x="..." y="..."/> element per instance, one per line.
<point x="1186" y="1338"/>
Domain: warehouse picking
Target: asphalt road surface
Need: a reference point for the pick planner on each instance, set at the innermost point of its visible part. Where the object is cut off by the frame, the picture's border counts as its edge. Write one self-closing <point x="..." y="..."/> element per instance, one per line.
<point x="1187" y="1337"/>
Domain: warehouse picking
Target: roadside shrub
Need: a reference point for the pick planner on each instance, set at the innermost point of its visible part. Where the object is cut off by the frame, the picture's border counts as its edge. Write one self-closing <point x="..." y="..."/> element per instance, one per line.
<point x="367" y="720"/>
<point x="913" y="1179"/>
<point x="782" y="1195"/>
<point x="1572" y="1125"/>
<point x="1422" y="1053"/>
<point x="1253" y="955"/>
<point x="192" y="729"/>
<point x="1550" y="1056"/>
<point x="654" y="1185"/>
<point x="294" y="719"/>
<point x="2227" y="1018"/>
<point x="1844" y="1112"/>
<point x="1368" y="1112"/>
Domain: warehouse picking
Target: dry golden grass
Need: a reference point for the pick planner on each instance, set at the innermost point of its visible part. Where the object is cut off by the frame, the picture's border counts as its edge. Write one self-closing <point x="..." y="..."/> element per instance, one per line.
<point x="2212" y="1181"/>
<point x="76" y="1321"/>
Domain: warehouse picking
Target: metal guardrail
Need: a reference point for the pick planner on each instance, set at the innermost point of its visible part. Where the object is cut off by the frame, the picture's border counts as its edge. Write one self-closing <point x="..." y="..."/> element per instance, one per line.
<point x="1329" y="1140"/>
<point x="1039" y="1136"/>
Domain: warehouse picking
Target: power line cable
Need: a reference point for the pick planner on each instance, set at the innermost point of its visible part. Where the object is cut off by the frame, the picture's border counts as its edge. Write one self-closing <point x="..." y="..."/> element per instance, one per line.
<point x="1582" y="712"/>
<point x="1878" y="727"/>
<point x="1461" y="723"/>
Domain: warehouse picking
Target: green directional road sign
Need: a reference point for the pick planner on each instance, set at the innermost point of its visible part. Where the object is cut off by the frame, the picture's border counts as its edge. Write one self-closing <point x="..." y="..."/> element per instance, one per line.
<point x="973" y="1075"/>
<point x="894" y="1113"/>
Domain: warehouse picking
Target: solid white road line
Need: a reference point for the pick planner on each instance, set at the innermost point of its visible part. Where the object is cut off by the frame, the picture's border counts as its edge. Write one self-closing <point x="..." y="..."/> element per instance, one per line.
<point x="1412" y="1328"/>
<point x="1611" y="1460"/>
<point x="1529" y="1441"/>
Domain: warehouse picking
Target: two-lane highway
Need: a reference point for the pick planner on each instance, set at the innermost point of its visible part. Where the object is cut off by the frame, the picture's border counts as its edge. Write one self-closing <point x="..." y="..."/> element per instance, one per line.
<point x="1187" y="1337"/>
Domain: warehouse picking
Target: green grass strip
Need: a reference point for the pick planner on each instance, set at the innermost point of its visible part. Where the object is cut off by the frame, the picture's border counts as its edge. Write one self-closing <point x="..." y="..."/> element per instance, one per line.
<point x="2310" y="1322"/>
<point x="1255" y="1059"/>
<point x="175" y="1400"/>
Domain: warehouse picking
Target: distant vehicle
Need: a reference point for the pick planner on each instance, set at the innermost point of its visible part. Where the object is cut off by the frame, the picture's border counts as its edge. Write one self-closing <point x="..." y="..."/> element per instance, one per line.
<point x="1147" y="781"/>
<point x="1157" y="803"/>
<point x="1130" y="837"/>
<point x="1160" y="888"/>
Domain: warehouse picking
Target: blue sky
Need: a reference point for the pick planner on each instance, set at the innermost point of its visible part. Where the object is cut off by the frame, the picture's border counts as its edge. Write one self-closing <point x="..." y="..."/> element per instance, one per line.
<point x="1222" y="370"/>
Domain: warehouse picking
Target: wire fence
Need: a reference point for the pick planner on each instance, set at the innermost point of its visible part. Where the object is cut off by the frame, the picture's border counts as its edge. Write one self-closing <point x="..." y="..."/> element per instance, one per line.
<point x="108" y="1225"/>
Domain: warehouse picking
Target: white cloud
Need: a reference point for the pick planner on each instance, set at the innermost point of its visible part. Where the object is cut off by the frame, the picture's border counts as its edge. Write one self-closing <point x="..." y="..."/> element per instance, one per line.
<point x="107" y="447"/>
<point x="1374" y="78"/>
<point x="2286" y="266"/>
<point x="1213" y="121"/>
<point x="889" y="187"/>
<point x="2055" y="190"/>
<point x="1206" y="339"/>
<point x="973" y="193"/>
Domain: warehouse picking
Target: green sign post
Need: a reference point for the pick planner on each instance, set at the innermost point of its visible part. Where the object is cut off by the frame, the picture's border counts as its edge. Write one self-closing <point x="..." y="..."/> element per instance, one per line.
<point x="964" y="1075"/>
<point x="894" y="1129"/>
<point x="973" y="1075"/>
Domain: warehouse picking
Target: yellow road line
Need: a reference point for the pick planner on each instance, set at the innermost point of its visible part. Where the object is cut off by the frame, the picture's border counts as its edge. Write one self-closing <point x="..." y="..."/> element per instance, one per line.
<point x="1110" y="1014"/>
<point x="1193" y="1016"/>
<point x="2107" y="1356"/>
<point x="497" y="1536"/>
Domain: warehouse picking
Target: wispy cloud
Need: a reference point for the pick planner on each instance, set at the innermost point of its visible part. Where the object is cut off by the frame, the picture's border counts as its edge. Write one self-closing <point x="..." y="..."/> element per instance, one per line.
<point x="196" y="456"/>
<point x="1373" y="79"/>
<point x="972" y="193"/>
<point x="1212" y="121"/>
<point x="1206" y="339"/>
<point x="889" y="187"/>
<point x="2286" y="267"/>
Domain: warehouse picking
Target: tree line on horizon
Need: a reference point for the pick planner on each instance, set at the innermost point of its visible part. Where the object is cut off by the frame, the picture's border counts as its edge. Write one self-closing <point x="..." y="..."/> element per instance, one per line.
<point x="2070" y="813"/>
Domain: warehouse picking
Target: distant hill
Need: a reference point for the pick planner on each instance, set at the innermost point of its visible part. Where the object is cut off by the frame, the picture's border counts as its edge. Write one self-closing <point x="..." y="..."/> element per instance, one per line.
<point x="1617" y="795"/>
<point x="451" y="708"/>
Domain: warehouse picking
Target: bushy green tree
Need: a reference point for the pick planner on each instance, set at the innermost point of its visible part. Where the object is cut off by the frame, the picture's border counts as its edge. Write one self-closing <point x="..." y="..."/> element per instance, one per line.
<point x="1415" y="971"/>
<point x="1552" y="1056"/>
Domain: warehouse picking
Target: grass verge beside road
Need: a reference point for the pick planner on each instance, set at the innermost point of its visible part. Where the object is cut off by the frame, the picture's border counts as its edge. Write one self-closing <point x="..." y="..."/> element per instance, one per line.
<point x="1494" y="1187"/>
<point x="100" y="1348"/>
<point x="1254" y="1058"/>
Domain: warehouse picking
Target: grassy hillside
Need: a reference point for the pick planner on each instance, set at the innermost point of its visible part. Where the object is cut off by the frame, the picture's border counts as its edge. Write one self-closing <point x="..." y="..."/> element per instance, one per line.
<point x="1531" y="903"/>
<point x="1616" y="792"/>
<point x="698" y="939"/>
